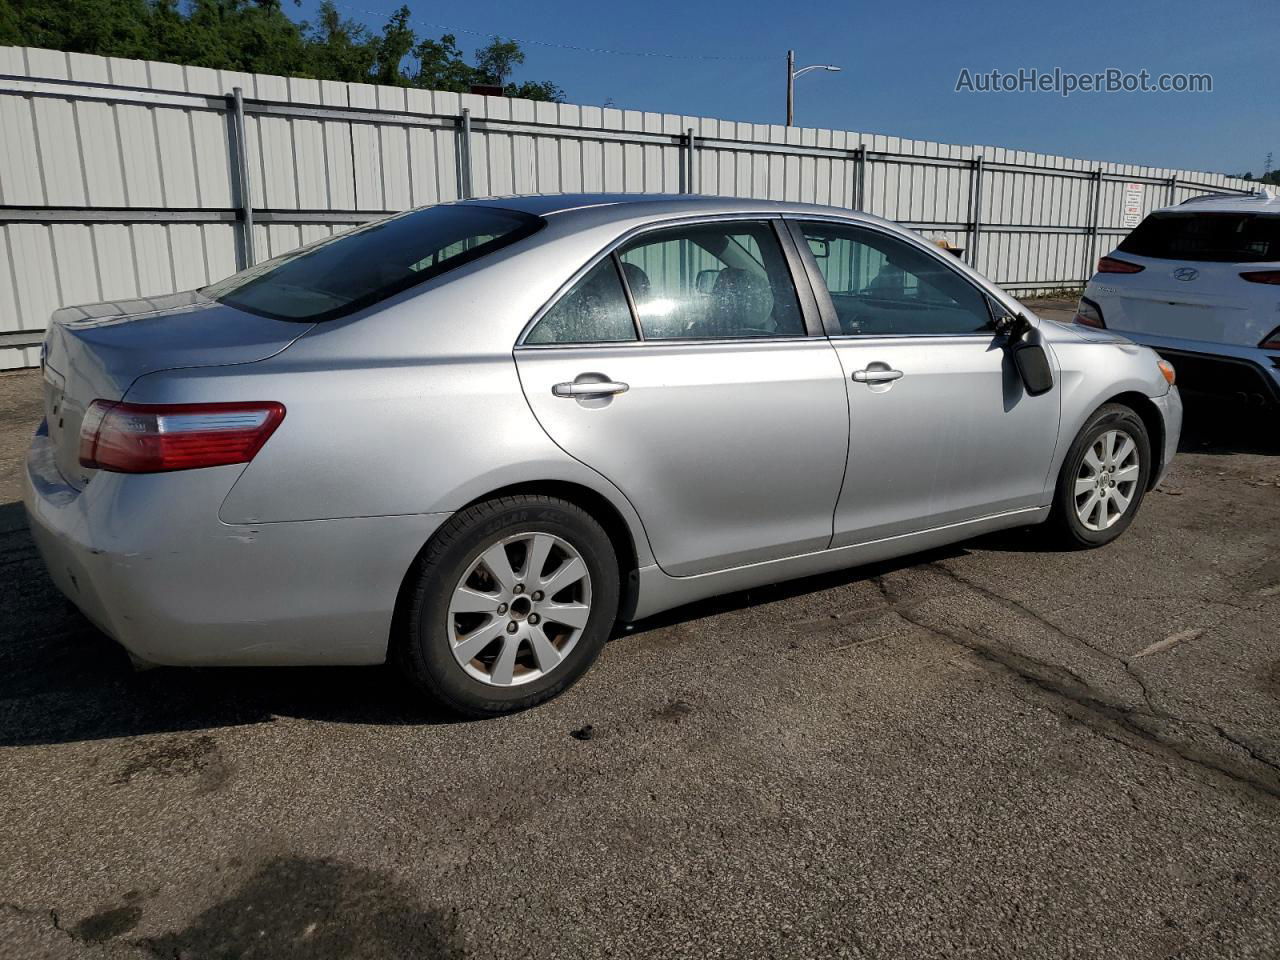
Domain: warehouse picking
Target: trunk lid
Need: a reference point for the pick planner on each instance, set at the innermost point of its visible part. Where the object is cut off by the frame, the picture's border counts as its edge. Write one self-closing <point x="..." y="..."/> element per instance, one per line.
<point x="1190" y="301"/>
<point x="97" y="351"/>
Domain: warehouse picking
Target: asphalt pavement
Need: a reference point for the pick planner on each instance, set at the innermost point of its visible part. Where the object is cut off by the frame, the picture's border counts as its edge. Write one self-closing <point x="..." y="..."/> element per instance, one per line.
<point x="992" y="750"/>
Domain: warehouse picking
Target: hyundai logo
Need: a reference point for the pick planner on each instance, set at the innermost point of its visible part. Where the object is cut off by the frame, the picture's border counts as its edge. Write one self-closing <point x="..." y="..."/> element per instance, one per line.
<point x="1186" y="273"/>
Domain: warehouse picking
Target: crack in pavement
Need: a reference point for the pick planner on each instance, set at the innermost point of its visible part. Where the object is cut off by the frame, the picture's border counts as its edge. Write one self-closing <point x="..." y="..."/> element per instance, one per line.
<point x="1017" y="606"/>
<point x="43" y="916"/>
<point x="1076" y="700"/>
<point x="1243" y="745"/>
<point x="1094" y="713"/>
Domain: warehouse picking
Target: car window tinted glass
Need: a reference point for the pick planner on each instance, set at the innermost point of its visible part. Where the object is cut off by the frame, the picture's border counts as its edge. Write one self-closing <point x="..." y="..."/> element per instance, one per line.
<point x="595" y="310"/>
<point x="1206" y="236"/>
<point x="714" y="280"/>
<point x="882" y="286"/>
<point x="344" y="273"/>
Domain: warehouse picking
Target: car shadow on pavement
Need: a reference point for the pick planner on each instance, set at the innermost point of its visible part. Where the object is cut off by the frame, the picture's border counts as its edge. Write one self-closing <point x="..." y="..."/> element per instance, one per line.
<point x="1219" y="425"/>
<point x="63" y="681"/>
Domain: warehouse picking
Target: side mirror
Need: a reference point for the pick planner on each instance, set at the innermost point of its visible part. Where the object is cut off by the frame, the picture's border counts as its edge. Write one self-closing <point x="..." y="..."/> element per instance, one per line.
<point x="1026" y="348"/>
<point x="705" y="281"/>
<point x="1033" y="366"/>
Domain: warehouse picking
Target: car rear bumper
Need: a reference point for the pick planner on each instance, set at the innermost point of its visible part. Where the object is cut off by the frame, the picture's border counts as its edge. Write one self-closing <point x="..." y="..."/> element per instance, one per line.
<point x="146" y="559"/>
<point x="1247" y="373"/>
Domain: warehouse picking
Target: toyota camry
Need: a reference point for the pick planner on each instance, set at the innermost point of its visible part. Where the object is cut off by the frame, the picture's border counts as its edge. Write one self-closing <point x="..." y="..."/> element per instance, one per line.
<point x="473" y="438"/>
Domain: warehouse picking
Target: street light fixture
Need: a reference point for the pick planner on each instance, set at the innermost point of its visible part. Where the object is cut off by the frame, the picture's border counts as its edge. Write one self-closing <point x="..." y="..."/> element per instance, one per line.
<point x="792" y="73"/>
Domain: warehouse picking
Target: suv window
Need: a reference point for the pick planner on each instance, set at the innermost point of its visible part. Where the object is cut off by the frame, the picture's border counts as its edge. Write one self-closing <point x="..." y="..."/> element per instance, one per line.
<point x="342" y="274"/>
<point x="1206" y="236"/>
<point x="595" y="310"/>
<point x="883" y="286"/>
<point x="712" y="280"/>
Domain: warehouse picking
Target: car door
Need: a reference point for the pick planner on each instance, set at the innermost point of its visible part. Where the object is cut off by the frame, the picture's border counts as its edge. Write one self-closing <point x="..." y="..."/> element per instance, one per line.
<point x="682" y="366"/>
<point x="941" y="428"/>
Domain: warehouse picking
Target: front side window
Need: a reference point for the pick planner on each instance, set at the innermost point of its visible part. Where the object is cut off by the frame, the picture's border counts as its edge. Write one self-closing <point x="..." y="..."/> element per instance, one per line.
<point x="345" y="273"/>
<point x="1211" y="237"/>
<point x="712" y="281"/>
<point x="595" y="310"/>
<point x="882" y="286"/>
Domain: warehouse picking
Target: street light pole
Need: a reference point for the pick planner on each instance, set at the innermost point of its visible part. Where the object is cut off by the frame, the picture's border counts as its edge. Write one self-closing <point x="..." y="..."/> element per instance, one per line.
<point x="792" y="73"/>
<point x="791" y="87"/>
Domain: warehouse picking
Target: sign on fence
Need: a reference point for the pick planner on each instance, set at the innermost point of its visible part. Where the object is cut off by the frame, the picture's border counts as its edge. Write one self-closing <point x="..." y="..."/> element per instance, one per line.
<point x="1131" y="210"/>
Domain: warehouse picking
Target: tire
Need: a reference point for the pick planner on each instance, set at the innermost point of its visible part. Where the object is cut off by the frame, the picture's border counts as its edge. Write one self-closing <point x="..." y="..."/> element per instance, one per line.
<point x="1098" y="514"/>
<point x="462" y="603"/>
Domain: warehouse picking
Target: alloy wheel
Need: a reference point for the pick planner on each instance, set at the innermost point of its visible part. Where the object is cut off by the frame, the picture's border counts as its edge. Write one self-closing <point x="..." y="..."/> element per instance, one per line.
<point x="519" y="609"/>
<point x="1107" y="480"/>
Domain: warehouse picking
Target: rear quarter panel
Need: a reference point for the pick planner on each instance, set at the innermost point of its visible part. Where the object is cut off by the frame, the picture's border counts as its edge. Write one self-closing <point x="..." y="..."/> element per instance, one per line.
<point x="377" y="438"/>
<point x="383" y="439"/>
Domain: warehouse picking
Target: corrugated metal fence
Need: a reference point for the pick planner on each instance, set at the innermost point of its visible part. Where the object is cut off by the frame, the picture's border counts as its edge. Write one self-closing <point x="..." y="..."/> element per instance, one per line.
<point x="124" y="178"/>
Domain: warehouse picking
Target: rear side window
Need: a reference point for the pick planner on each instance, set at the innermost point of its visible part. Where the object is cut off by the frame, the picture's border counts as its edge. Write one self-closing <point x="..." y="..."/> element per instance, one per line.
<point x="342" y="274"/>
<point x="594" y="311"/>
<point x="712" y="281"/>
<point x="1207" y="237"/>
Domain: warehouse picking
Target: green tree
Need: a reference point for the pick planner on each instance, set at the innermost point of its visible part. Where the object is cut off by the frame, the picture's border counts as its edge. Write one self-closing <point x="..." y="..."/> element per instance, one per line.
<point x="442" y="67"/>
<point x="339" y="49"/>
<point x="535" y="90"/>
<point x="111" y="28"/>
<point x="1272" y="178"/>
<point x="10" y="31"/>
<point x="496" y="61"/>
<point x="258" y="36"/>
<point x="393" y="46"/>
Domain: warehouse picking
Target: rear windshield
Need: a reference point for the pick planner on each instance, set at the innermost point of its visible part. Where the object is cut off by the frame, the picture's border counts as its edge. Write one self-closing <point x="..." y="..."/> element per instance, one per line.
<point x="1211" y="237"/>
<point x="342" y="274"/>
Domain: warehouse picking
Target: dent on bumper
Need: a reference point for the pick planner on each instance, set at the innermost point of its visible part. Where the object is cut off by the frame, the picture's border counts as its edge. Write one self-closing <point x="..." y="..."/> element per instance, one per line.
<point x="146" y="559"/>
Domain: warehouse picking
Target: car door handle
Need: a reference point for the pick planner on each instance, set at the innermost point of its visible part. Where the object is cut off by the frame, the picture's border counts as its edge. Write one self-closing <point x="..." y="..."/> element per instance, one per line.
<point x="876" y="376"/>
<point x="590" y="388"/>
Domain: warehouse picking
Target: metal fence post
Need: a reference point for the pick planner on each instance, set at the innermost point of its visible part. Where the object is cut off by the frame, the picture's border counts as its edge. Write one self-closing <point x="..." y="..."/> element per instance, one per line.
<point x="1173" y="190"/>
<point x="860" y="178"/>
<point x="975" y="209"/>
<point x="691" y="154"/>
<point x="240" y="176"/>
<point x="1091" y="240"/>
<point x="464" y="154"/>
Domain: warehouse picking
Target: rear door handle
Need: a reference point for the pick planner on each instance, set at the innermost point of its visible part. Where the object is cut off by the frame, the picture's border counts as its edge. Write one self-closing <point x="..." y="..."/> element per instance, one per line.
<point x="590" y="388"/>
<point x="876" y="376"/>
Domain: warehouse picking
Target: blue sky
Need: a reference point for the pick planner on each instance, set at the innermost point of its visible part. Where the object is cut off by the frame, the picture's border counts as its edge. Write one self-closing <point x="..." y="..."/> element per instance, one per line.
<point x="901" y="60"/>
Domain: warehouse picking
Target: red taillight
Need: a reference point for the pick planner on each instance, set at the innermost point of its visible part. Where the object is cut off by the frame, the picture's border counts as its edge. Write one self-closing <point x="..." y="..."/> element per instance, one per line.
<point x="1271" y="341"/>
<point x="1112" y="265"/>
<point x="151" y="438"/>
<point x="1262" y="276"/>
<point x="1088" y="314"/>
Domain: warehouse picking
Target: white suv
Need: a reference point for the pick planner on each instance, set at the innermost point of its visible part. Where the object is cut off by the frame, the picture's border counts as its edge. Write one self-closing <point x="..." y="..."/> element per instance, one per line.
<point x="1200" y="282"/>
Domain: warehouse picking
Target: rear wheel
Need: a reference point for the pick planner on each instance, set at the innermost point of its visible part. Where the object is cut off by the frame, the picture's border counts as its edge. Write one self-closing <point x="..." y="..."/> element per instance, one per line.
<point x="513" y="600"/>
<point x="1103" y="479"/>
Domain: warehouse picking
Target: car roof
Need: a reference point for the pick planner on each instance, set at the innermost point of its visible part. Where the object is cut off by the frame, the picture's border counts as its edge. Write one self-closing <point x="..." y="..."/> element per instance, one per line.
<point x="620" y="206"/>
<point x="1260" y="201"/>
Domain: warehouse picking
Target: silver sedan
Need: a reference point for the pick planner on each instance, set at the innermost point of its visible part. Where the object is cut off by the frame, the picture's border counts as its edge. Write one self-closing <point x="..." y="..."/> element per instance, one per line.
<point x="473" y="438"/>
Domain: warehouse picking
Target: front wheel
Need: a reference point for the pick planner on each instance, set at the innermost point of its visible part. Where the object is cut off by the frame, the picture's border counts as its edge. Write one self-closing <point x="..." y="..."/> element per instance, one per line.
<point x="1102" y="480"/>
<point x="513" y="600"/>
